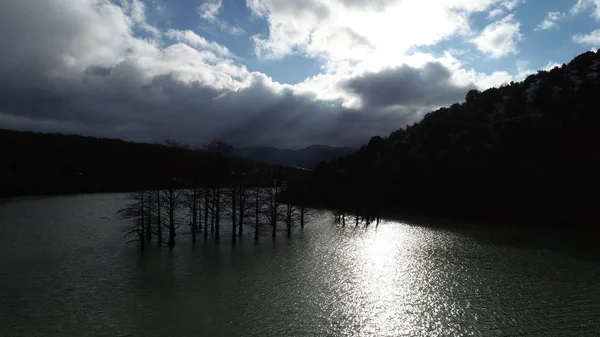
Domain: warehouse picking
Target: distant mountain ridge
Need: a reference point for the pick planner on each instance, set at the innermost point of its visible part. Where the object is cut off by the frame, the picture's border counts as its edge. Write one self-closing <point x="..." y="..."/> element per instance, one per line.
<point x="308" y="157"/>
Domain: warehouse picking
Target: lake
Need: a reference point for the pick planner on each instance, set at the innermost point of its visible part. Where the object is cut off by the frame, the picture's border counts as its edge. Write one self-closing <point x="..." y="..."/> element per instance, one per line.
<point x="65" y="269"/>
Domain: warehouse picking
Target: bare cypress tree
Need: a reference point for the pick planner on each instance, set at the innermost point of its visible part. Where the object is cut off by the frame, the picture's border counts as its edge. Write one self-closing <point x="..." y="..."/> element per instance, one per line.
<point x="172" y="195"/>
<point x="289" y="214"/>
<point x="133" y="213"/>
<point x="234" y="214"/>
<point x="302" y="216"/>
<point x="199" y="208"/>
<point x="217" y="213"/>
<point x="212" y="210"/>
<point x="221" y="149"/>
<point x="149" y="218"/>
<point x="206" y="208"/>
<point x="244" y="206"/>
<point x="172" y="200"/>
<point x="159" y="222"/>
<point x="272" y="209"/>
<point x="256" y="209"/>
<point x="142" y="197"/>
<point x="192" y="203"/>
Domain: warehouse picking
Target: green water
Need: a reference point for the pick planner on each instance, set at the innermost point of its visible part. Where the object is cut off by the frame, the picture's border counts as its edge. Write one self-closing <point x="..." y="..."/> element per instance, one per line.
<point x="65" y="270"/>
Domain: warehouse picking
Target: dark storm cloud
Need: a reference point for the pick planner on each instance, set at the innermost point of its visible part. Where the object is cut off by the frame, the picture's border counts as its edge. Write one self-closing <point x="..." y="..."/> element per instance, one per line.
<point x="408" y="86"/>
<point x="66" y="71"/>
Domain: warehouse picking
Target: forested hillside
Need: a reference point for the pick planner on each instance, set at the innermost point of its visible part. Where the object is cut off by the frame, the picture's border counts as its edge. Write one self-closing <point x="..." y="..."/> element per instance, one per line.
<point x="525" y="151"/>
<point x="38" y="163"/>
<point x="307" y="158"/>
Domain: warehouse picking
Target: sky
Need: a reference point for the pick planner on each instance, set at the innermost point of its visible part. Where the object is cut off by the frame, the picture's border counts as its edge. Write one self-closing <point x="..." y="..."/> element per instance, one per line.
<point x="269" y="72"/>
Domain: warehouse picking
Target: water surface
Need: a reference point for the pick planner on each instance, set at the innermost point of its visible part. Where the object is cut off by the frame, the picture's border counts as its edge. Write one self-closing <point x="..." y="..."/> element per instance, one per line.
<point x="65" y="270"/>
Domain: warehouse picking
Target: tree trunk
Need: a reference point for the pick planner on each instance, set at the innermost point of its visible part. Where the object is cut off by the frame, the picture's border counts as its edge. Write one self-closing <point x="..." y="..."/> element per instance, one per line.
<point x="302" y="216"/>
<point x="149" y="228"/>
<point x="233" y="216"/>
<point x="199" y="197"/>
<point x="142" y="234"/>
<point x="288" y="220"/>
<point x="256" y="214"/>
<point x="218" y="215"/>
<point x="242" y="208"/>
<point x="158" y="219"/>
<point x="206" y="197"/>
<point x="212" y="212"/>
<point x="171" y="241"/>
<point x="142" y="215"/>
<point x="274" y="211"/>
<point x="194" y="216"/>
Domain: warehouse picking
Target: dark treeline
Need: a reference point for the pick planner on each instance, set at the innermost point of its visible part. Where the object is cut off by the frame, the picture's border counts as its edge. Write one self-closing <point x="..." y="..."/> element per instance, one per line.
<point x="524" y="152"/>
<point x="41" y="163"/>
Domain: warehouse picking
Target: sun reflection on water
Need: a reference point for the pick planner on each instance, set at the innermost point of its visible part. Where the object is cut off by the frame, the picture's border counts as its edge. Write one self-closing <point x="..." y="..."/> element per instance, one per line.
<point x="395" y="289"/>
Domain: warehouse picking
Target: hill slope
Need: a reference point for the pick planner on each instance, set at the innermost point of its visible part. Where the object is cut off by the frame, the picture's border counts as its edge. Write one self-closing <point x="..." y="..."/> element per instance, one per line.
<point x="39" y="163"/>
<point x="525" y="151"/>
<point x="308" y="157"/>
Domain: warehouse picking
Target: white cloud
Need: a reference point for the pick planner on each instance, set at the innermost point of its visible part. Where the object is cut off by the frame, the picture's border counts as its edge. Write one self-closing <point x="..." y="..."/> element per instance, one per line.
<point x="511" y="4"/>
<point x="196" y="41"/>
<point x="138" y="15"/>
<point x="523" y="70"/>
<point x="329" y="28"/>
<point x="583" y="5"/>
<point x="502" y="7"/>
<point x="496" y="12"/>
<point x="209" y="11"/>
<point x="551" y="65"/>
<point x="550" y="21"/>
<point x="500" y="38"/>
<point x="592" y="39"/>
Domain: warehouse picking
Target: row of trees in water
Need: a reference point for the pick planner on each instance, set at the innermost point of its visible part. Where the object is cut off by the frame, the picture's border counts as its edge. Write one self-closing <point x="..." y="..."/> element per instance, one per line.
<point x="210" y="195"/>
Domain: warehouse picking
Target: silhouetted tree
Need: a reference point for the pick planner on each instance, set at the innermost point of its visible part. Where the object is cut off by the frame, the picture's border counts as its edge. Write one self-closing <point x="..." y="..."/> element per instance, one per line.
<point x="159" y="222"/>
<point x="222" y="150"/>
<point x="172" y="202"/>
<point x="133" y="213"/>
<point x="272" y="209"/>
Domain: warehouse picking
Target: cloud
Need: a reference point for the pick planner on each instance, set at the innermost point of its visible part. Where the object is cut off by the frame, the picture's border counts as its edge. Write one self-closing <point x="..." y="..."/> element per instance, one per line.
<point x="550" y="21"/>
<point x="86" y="68"/>
<point x="591" y="39"/>
<point x="209" y="11"/>
<point x="496" y="12"/>
<point x="81" y="70"/>
<point x="583" y="5"/>
<point x="407" y="86"/>
<point x="196" y="41"/>
<point x="551" y="65"/>
<point x="137" y="11"/>
<point x="326" y="28"/>
<point x="500" y="38"/>
<point x="502" y="7"/>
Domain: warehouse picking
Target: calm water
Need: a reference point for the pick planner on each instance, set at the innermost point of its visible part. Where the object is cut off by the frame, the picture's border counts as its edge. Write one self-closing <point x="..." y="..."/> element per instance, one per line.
<point x="65" y="270"/>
